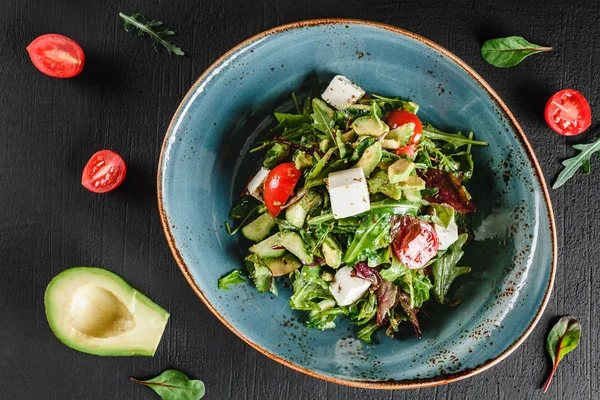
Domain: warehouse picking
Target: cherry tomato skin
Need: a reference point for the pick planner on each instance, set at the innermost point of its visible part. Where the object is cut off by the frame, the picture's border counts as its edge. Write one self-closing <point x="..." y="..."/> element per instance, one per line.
<point x="56" y="56"/>
<point x="279" y="186"/>
<point x="568" y="112"/>
<point x="398" y="118"/>
<point x="406" y="151"/>
<point x="104" y="172"/>
<point x="415" y="241"/>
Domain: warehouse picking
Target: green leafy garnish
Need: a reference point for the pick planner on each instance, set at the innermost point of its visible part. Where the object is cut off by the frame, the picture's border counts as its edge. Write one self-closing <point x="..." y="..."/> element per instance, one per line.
<point x="455" y="139"/>
<point x="562" y="339"/>
<point x="373" y="234"/>
<point x="174" y="385"/>
<point x="149" y="27"/>
<point x="260" y="274"/>
<point x="235" y="277"/>
<point x="445" y="270"/>
<point x="509" y="51"/>
<point x="581" y="160"/>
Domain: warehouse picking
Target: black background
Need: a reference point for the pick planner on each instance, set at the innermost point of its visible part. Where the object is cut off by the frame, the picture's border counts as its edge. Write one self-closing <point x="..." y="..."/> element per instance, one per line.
<point x="124" y="100"/>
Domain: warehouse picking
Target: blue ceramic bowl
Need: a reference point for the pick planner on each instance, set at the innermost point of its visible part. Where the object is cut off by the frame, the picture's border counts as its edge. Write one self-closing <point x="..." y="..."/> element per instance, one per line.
<point x="204" y="167"/>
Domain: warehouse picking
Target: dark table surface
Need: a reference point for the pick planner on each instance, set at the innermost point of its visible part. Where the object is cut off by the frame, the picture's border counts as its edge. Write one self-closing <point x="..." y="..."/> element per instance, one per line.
<point x="124" y="100"/>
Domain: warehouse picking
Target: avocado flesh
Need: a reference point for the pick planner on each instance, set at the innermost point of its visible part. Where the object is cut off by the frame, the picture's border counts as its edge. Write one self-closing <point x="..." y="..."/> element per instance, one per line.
<point x="95" y="311"/>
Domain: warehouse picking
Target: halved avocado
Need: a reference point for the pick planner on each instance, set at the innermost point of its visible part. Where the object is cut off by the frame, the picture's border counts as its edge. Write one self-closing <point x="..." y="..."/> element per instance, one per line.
<point x="95" y="311"/>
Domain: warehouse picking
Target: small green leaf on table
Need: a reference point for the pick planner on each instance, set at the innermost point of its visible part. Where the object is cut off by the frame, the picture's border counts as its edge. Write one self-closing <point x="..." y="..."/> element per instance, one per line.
<point x="152" y="28"/>
<point x="509" y="51"/>
<point x="562" y="339"/>
<point x="174" y="385"/>
<point x="572" y="165"/>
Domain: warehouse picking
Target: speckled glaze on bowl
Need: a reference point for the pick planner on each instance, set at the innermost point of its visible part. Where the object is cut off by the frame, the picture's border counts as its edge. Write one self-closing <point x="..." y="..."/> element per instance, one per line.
<point x="204" y="167"/>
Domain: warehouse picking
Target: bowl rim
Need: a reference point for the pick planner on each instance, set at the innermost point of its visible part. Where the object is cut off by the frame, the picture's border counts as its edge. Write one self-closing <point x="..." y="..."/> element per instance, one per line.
<point x="388" y="384"/>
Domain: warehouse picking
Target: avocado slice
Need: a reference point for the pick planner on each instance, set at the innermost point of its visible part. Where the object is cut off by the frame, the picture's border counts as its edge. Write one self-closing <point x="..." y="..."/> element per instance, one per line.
<point x="370" y="158"/>
<point x="400" y="170"/>
<point x="370" y="126"/>
<point x="95" y="311"/>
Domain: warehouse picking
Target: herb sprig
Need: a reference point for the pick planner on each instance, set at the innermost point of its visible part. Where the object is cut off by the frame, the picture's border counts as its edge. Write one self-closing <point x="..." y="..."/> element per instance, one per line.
<point x="581" y="160"/>
<point x="151" y="28"/>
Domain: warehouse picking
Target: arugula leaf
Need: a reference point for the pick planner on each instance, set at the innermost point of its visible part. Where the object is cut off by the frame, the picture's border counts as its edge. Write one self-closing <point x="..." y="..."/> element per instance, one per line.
<point x="292" y="119"/>
<point x="174" y="385"/>
<point x="360" y="149"/>
<point x="261" y="274"/>
<point x="246" y="205"/>
<point x="323" y="317"/>
<point x="412" y="281"/>
<point x="562" y="339"/>
<point x="309" y="289"/>
<point x="455" y="139"/>
<point x="581" y="160"/>
<point x="149" y="28"/>
<point x="366" y="333"/>
<point x="323" y="118"/>
<point x="509" y="51"/>
<point x="373" y="234"/>
<point x="445" y="270"/>
<point x="235" y="277"/>
<point x="276" y="154"/>
<point x="363" y="310"/>
<point x="392" y="102"/>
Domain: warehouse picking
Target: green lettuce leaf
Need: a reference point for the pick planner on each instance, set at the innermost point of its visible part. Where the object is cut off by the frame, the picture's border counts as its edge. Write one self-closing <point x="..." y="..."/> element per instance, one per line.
<point x="235" y="277"/>
<point x="261" y="274"/>
<point x="412" y="281"/>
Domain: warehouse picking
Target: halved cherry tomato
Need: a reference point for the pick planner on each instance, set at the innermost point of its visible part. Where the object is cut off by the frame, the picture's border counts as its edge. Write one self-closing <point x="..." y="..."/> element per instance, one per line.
<point x="56" y="55"/>
<point x="568" y="113"/>
<point x="414" y="241"/>
<point x="103" y="172"/>
<point x="406" y="151"/>
<point x="279" y="186"/>
<point x="398" y="118"/>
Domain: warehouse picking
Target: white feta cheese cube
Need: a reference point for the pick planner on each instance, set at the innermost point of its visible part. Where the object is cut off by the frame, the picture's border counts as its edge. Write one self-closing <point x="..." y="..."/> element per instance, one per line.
<point x="346" y="289"/>
<point x="446" y="236"/>
<point x="255" y="187"/>
<point x="341" y="92"/>
<point x="348" y="192"/>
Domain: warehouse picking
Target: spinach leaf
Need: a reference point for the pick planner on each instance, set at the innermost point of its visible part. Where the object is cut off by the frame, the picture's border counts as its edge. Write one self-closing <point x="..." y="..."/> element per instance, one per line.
<point x="455" y="139"/>
<point x="233" y="278"/>
<point x="261" y="274"/>
<point x="373" y="234"/>
<point x="509" y="51"/>
<point x="445" y="270"/>
<point x="366" y="333"/>
<point x="323" y="118"/>
<point x="174" y="385"/>
<point x="276" y="154"/>
<point x="581" y="160"/>
<point x="562" y="339"/>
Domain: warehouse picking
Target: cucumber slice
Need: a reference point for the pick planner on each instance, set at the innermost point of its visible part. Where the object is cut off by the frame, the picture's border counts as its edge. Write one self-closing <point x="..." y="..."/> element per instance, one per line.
<point x="295" y="245"/>
<point x="332" y="251"/>
<point x="259" y="228"/>
<point x="283" y="265"/>
<point x="265" y="248"/>
<point x="296" y="213"/>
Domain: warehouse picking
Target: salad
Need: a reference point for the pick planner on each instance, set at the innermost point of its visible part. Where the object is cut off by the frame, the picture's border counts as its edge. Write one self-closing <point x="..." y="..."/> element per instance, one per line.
<point x="361" y="206"/>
